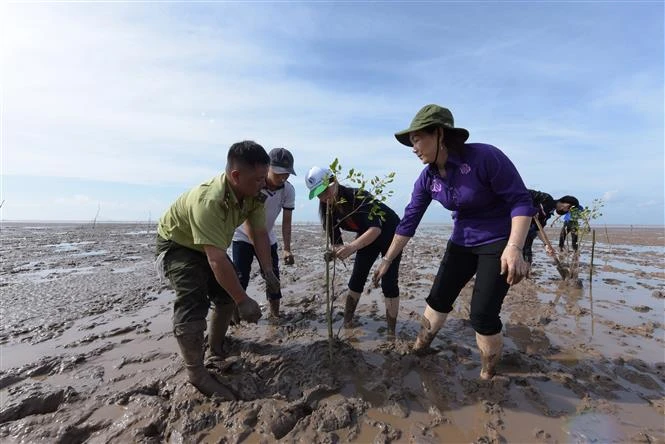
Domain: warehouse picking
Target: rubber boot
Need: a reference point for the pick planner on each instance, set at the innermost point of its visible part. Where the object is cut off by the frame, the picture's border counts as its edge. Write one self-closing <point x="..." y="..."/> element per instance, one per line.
<point x="430" y="324"/>
<point x="352" y="299"/>
<point x="190" y="336"/>
<point x="490" y="353"/>
<point x="219" y="325"/>
<point x="274" y="307"/>
<point x="392" y="308"/>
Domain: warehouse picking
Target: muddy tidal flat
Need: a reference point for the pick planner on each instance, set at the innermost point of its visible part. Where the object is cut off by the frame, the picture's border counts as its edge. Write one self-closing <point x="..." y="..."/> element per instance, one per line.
<point x="87" y="353"/>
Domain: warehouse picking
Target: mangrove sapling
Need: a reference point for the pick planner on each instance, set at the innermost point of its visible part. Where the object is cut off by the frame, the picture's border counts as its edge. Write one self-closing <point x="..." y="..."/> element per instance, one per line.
<point x="583" y="219"/>
<point x="373" y="191"/>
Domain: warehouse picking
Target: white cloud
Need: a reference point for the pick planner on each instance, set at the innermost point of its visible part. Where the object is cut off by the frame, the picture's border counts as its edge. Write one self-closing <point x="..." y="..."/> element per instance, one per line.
<point x="78" y="199"/>
<point x="649" y="203"/>
<point x="126" y="93"/>
<point x="609" y="195"/>
<point x="99" y="99"/>
<point x="640" y="92"/>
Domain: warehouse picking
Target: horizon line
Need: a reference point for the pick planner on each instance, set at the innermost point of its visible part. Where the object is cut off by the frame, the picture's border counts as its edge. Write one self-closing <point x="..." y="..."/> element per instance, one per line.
<point x="304" y="222"/>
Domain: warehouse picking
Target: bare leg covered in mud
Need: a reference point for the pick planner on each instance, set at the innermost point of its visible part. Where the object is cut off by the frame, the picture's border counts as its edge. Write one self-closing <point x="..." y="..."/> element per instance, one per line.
<point x="352" y="298"/>
<point x="490" y="348"/>
<point x="431" y="323"/>
<point x="274" y="308"/>
<point x="392" y="309"/>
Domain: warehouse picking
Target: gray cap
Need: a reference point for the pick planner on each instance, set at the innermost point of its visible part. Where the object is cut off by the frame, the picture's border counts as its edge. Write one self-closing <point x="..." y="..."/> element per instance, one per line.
<point x="281" y="161"/>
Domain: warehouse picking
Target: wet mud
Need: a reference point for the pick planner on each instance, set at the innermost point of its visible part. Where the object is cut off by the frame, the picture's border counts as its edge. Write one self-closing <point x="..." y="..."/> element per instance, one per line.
<point x="87" y="353"/>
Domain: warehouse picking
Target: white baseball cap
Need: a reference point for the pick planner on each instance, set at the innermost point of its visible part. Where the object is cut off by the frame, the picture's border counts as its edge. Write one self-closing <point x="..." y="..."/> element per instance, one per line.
<point x="317" y="180"/>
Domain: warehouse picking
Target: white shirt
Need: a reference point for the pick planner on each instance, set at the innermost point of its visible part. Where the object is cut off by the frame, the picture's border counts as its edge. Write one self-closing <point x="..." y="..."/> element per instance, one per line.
<point x="281" y="198"/>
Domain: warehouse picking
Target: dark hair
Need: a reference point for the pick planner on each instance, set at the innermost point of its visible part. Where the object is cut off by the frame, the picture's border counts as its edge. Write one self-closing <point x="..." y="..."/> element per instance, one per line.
<point x="322" y="205"/>
<point x="572" y="200"/>
<point x="451" y="139"/>
<point x="246" y="154"/>
<point x="347" y="200"/>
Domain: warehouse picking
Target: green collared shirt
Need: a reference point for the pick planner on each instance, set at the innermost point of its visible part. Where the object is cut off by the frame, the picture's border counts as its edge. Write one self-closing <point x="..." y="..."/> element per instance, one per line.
<point x="208" y="214"/>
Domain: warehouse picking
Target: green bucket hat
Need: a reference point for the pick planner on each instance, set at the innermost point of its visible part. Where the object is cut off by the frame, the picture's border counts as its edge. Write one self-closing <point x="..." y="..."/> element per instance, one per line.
<point x="431" y="115"/>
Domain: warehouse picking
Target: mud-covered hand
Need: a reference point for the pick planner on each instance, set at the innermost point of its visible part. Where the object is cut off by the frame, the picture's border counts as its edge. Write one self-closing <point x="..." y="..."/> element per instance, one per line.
<point x="288" y="258"/>
<point x="272" y="282"/>
<point x="344" y="251"/>
<point x="249" y="310"/>
<point x="381" y="270"/>
<point x="550" y="251"/>
<point x="328" y="255"/>
<point x="513" y="265"/>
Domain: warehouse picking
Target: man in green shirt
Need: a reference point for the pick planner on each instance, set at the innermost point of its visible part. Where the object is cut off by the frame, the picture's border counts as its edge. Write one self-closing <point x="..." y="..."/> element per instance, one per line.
<point x="192" y="238"/>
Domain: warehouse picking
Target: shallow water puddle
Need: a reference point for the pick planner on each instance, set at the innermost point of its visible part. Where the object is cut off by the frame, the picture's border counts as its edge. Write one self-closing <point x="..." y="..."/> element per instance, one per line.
<point x="111" y="413"/>
<point x="418" y="421"/>
<point x="68" y="246"/>
<point x="55" y="273"/>
<point x="16" y="355"/>
<point x="91" y="253"/>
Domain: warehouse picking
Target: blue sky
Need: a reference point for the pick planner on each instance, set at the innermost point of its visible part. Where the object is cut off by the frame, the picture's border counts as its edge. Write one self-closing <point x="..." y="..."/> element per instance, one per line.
<point x="124" y="106"/>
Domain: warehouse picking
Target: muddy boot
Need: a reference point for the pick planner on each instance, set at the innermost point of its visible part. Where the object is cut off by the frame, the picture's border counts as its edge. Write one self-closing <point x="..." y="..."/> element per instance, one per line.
<point x="219" y="324"/>
<point x="431" y="323"/>
<point x="274" y="307"/>
<point x="490" y="353"/>
<point x="392" y="308"/>
<point x="190" y="340"/>
<point x="352" y="299"/>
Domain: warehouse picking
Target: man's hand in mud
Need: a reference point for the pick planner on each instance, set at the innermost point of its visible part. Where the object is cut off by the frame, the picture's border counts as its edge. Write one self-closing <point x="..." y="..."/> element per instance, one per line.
<point x="249" y="310"/>
<point x="288" y="258"/>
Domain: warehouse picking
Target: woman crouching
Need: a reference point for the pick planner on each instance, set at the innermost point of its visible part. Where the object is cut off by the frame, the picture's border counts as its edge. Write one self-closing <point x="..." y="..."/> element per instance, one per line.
<point x="374" y="223"/>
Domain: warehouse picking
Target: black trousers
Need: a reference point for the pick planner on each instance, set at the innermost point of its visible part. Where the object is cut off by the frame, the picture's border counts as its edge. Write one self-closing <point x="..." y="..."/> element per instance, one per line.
<point x="243" y="255"/>
<point x="458" y="266"/>
<point x="365" y="258"/>
<point x="568" y="227"/>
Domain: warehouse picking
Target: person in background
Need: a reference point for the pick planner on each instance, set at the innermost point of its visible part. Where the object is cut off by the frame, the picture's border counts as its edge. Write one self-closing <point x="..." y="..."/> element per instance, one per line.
<point x="546" y="206"/>
<point x="351" y="211"/>
<point x="570" y="225"/>
<point x="491" y="214"/>
<point x="192" y="238"/>
<point x="280" y="196"/>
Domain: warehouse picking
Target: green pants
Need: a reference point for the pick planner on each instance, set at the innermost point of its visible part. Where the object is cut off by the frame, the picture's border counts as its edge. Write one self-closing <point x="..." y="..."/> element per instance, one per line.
<point x="193" y="281"/>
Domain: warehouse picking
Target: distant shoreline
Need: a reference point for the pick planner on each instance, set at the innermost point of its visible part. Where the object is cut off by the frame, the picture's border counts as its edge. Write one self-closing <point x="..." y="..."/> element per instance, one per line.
<point x="122" y="222"/>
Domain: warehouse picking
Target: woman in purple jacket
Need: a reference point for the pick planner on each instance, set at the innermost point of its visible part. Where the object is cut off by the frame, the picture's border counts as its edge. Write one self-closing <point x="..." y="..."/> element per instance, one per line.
<point x="492" y="212"/>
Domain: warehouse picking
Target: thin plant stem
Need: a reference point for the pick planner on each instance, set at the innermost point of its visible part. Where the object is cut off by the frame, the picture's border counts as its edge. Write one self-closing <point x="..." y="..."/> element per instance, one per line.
<point x="593" y="318"/>
<point x="593" y="247"/>
<point x="328" y="299"/>
<point x="94" y="221"/>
